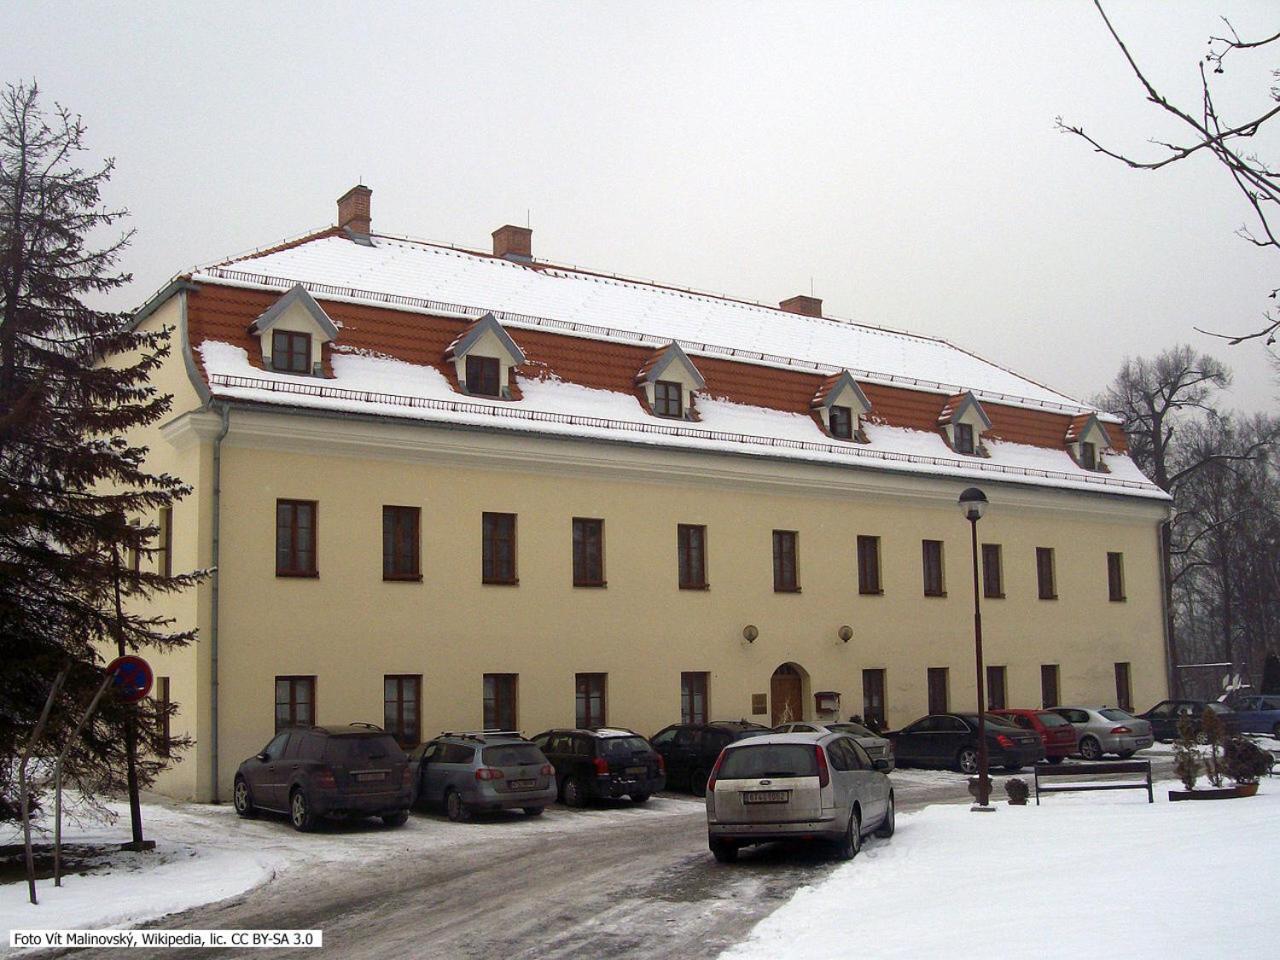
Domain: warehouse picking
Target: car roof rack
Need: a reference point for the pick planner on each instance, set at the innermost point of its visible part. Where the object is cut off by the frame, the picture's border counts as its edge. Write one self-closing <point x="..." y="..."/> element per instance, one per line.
<point x="367" y="726"/>
<point x="481" y="735"/>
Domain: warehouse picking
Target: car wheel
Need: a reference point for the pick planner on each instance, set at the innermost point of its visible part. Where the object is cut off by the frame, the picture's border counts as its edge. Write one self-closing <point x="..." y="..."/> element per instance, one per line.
<point x="242" y="798"/>
<point x="967" y="760"/>
<point x="1054" y="760"/>
<point x="397" y="819"/>
<point x="698" y="782"/>
<point x="533" y="811"/>
<point x="575" y="794"/>
<point x="639" y="798"/>
<point x="848" y="846"/>
<point x="885" y="830"/>
<point x="1090" y="748"/>
<point x="300" y="814"/>
<point x="454" y="808"/>
<point x="725" y="851"/>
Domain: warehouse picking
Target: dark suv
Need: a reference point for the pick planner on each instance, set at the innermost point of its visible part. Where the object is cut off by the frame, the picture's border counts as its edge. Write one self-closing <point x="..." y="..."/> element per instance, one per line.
<point x="690" y="750"/>
<point x="310" y="773"/>
<point x="606" y="762"/>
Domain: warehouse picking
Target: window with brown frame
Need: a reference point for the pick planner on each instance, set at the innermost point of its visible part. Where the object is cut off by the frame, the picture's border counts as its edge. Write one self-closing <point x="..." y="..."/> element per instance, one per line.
<point x="295" y="702"/>
<point x="401" y="549"/>
<point x="691" y="545"/>
<point x="667" y="399"/>
<point x="964" y="437"/>
<point x="498" y="549"/>
<point x="1044" y="574"/>
<point x="590" y="700"/>
<point x="482" y="376"/>
<point x="296" y="538"/>
<point x="402" y="707"/>
<point x="840" y="420"/>
<point x="588" y="552"/>
<point x="1049" y="685"/>
<point x="939" y="698"/>
<point x="785" y="576"/>
<point x="1088" y="456"/>
<point x="290" y="352"/>
<point x="693" y="698"/>
<point x="164" y="559"/>
<point x="931" y="552"/>
<point x="869" y="565"/>
<point x="1115" y="576"/>
<point x="873" y="704"/>
<point x="996" y="698"/>
<point x="1124" y="690"/>
<point x="992" y="572"/>
<point x="500" y="691"/>
<point x="163" y="707"/>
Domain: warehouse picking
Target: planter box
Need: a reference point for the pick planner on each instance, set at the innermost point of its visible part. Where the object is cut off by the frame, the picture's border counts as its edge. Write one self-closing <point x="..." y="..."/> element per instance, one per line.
<point x="1223" y="793"/>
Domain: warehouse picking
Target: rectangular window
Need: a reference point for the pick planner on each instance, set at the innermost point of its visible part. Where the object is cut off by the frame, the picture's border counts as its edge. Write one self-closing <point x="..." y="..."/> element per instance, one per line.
<point x="400" y="543"/>
<point x="691" y="545"/>
<point x="588" y="552"/>
<point x="693" y="698"/>
<point x="932" y="554"/>
<point x="1049" y="685"/>
<point x="590" y="707"/>
<point x="873" y="705"/>
<point x="667" y="400"/>
<point x="296" y="538"/>
<point x="290" y="352"/>
<point x="1044" y="573"/>
<point x="163" y="705"/>
<point x="841" y="421"/>
<point x="498" y="561"/>
<point x="1115" y="575"/>
<point x="939" y="700"/>
<point x="500" y="701"/>
<point x="1124" y="691"/>
<point x="482" y="376"/>
<point x="1088" y="456"/>
<point x="295" y="702"/>
<point x="996" y="698"/>
<point x="164" y="560"/>
<point x="964" y="437"/>
<point x="992" y="572"/>
<point x="869" y="565"/>
<point x="401" y="708"/>
<point x="785" y="577"/>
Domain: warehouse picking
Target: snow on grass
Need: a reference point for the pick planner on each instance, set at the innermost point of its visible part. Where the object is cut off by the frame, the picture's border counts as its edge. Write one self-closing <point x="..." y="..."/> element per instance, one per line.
<point x="1089" y="875"/>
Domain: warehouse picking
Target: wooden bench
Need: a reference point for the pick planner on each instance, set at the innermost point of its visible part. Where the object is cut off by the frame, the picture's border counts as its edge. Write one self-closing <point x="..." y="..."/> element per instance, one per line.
<point x="1095" y="769"/>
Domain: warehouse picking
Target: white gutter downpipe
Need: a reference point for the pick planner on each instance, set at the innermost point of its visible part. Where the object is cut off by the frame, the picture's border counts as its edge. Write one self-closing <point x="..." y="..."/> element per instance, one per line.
<point x="213" y="614"/>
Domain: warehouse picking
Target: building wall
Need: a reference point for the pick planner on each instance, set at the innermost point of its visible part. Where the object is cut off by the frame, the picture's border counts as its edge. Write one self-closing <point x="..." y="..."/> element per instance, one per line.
<point x="348" y="627"/>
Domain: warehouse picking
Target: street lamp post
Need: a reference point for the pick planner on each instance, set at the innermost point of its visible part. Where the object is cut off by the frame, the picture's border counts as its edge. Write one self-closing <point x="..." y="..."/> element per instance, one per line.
<point x="973" y="504"/>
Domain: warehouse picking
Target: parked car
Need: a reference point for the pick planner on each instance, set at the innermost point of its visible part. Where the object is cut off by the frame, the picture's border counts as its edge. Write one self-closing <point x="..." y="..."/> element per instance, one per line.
<point x="1104" y="730"/>
<point x="606" y="762"/>
<point x="1165" y="716"/>
<point x="951" y="740"/>
<point x="804" y="786"/>
<point x="690" y="750"/>
<point x="309" y="773"/>
<point x="1258" y="713"/>
<point x="468" y="772"/>
<point x="1058" y="735"/>
<point x="877" y="747"/>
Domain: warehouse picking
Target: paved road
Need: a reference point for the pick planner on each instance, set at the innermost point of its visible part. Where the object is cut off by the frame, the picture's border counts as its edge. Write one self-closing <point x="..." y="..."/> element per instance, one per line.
<point x="642" y="888"/>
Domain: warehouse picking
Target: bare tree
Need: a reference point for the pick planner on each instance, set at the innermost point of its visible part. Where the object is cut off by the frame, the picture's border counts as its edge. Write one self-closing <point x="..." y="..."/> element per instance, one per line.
<point x="1229" y="142"/>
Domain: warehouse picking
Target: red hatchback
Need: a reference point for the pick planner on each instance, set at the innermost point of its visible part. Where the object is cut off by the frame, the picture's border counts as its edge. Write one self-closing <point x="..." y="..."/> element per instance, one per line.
<point x="1060" y="737"/>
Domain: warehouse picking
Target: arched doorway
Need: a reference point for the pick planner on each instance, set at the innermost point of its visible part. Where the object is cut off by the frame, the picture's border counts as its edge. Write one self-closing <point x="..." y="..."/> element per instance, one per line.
<point x="786" y="694"/>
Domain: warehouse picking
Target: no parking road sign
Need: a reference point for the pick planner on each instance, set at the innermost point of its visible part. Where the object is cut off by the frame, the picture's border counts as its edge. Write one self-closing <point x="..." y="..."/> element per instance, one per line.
<point x="131" y="678"/>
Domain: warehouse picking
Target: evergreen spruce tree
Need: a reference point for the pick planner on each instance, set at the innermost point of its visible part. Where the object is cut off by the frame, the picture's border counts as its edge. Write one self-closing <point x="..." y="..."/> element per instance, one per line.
<point x="76" y="501"/>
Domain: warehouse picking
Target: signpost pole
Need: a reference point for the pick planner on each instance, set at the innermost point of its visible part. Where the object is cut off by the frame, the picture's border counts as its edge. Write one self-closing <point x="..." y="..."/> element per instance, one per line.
<point x="130" y="724"/>
<point x="22" y="780"/>
<point x="57" y="775"/>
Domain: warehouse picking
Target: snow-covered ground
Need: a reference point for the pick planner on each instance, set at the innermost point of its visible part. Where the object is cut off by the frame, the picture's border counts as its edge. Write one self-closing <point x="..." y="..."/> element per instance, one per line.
<point x="1090" y="875"/>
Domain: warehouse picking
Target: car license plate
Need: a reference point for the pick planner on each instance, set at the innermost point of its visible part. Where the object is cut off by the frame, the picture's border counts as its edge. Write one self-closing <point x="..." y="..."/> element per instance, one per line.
<point x="636" y="771"/>
<point x="523" y="784"/>
<point x="377" y="775"/>
<point x="766" y="796"/>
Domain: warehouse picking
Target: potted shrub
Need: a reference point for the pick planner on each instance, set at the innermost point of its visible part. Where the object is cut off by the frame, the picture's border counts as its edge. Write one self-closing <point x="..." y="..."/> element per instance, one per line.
<point x="1017" y="791"/>
<point x="1245" y="763"/>
<point x="1186" y="756"/>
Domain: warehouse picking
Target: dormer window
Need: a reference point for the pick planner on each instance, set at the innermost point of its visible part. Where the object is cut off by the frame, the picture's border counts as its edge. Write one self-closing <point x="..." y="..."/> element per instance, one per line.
<point x="962" y="423"/>
<point x="841" y="421"/>
<point x="1089" y="456"/>
<point x="482" y="376"/>
<point x="964" y="438"/>
<point x="666" y="399"/>
<point x="839" y="406"/>
<point x="1087" y="439"/>
<point x="290" y="351"/>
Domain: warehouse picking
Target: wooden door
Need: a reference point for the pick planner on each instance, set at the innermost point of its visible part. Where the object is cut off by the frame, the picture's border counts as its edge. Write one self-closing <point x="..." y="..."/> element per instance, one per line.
<point x="785" y="695"/>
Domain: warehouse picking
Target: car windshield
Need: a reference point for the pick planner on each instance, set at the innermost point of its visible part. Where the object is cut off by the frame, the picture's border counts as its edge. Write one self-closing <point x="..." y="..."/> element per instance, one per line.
<point x="349" y="749"/>
<point x="620" y="746"/>
<point x="1111" y="713"/>
<point x="1052" y="720"/>
<point x="857" y="729"/>
<point x="769" y="760"/>
<point x="512" y="755"/>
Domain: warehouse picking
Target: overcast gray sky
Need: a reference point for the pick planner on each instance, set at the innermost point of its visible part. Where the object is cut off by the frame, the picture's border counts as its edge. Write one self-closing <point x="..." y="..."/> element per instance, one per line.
<point x="901" y="155"/>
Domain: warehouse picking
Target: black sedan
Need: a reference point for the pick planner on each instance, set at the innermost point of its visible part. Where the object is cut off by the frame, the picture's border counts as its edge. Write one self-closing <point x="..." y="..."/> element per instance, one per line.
<point x="690" y="750"/>
<point x="951" y="740"/>
<point x="1165" y="716"/>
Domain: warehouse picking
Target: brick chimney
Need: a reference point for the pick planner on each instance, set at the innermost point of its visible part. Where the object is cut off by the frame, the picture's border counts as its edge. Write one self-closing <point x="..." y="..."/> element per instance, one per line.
<point x="805" y="306"/>
<point x="513" y="243"/>
<point x="353" y="210"/>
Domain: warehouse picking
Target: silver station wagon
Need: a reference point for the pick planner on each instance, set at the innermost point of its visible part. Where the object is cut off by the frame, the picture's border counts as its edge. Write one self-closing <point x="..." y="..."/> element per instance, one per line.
<point x="797" y="786"/>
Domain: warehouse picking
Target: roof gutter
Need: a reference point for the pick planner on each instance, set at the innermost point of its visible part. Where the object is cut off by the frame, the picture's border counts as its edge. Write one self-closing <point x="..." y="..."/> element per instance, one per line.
<point x="215" y="563"/>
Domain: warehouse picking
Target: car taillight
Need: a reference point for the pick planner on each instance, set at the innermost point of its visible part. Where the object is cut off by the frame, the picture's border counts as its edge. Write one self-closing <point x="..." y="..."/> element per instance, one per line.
<point x="715" y="772"/>
<point x="1004" y="741"/>
<point x="662" y="764"/>
<point x="488" y="773"/>
<point x="325" y="779"/>
<point x="824" y="774"/>
<point x="602" y="766"/>
<point x="1121" y="729"/>
<point x="547" y="770"/>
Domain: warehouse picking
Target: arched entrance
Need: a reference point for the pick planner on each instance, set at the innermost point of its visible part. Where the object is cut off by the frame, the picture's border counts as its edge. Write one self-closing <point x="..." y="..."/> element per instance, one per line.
<point x="786" y="693"/>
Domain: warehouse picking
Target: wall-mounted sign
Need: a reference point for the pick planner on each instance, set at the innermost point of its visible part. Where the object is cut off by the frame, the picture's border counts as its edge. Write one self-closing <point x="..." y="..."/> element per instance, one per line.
<point x="759" y="703"/>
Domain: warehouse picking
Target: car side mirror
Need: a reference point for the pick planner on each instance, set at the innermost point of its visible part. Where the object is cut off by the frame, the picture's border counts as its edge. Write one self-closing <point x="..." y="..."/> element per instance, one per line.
<point x="880" y="763"/>
<point x="264" y="756"/>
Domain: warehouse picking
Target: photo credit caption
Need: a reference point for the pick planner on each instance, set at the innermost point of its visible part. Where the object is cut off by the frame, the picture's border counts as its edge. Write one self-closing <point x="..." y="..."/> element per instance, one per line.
<point x="162" y="939"/>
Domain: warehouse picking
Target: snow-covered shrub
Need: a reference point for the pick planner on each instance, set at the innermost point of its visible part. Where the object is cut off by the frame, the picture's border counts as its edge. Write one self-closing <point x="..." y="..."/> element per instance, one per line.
<point x="1213" y="732"/>
<point x="1245" y="761"/>
<point x="1017" y="791"/>
<point x="1186" y="754"/>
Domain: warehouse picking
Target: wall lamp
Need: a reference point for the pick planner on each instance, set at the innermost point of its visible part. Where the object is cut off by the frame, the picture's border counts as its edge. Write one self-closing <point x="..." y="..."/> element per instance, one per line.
<point x="845" y="633"/>
<point x="749" y="633"/>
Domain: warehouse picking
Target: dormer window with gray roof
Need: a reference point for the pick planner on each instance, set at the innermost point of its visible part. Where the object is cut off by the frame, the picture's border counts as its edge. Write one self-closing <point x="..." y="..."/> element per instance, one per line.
<point x="483" y="356"/>
<point x="839" y="406"/>
<point x="669" y="381"/>
<point x="293" y="332"/>
<point x="963" y="422"/>
<point x="1086" y="439"/>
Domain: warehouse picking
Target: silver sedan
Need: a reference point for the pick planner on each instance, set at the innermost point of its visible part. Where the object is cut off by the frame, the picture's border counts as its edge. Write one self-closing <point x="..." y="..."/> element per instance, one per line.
<point x="877" y="747"/>
<point x="1106" y="730"/>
